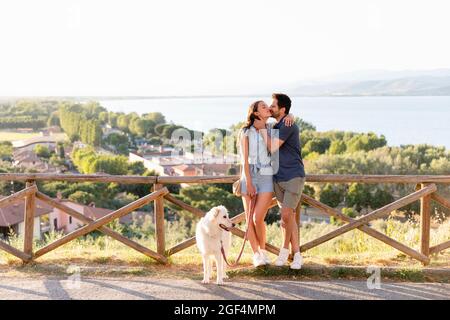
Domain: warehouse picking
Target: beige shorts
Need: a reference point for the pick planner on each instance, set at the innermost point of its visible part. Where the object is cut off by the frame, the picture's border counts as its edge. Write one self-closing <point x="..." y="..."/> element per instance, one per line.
<point x="288" y="193"/>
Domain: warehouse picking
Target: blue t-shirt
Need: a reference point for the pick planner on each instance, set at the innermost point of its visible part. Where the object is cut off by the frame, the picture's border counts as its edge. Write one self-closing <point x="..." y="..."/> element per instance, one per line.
<point x="289" y="155"/>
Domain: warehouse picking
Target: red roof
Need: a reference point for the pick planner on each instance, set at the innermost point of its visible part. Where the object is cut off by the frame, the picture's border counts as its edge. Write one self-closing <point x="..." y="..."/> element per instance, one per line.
<point x="14" y="213"/>
<point x="97" y="213"/>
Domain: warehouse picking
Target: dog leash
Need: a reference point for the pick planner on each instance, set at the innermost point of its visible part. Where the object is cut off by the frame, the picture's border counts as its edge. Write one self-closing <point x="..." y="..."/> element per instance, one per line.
<point x="250" y="218"/>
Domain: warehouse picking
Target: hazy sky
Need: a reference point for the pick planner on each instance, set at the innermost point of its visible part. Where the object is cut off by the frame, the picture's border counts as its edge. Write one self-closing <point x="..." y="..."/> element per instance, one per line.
<point x="209" y="47"/>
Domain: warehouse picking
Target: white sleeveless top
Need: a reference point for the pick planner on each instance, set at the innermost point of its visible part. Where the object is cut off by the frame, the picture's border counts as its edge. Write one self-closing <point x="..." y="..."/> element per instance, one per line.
<point x="258" y="155"/>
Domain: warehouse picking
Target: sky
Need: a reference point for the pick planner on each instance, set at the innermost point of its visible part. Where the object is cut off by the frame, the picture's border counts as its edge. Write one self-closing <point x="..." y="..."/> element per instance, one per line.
<point x="196" y="47"/>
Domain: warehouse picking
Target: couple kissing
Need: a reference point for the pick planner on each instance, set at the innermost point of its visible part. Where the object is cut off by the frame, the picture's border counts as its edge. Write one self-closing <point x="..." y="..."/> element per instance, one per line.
<point x="271" y="162"/>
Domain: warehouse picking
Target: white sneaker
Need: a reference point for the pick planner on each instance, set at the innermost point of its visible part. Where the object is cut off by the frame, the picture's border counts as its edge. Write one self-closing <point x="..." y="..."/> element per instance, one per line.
<point x="263" y="254"/>
<point x="282" y="257"/>
<point x="296" y="264"/>
<point x="258" y="260"/>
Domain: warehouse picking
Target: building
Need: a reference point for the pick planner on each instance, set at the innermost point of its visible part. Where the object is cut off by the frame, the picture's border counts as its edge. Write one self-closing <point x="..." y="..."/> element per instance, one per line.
<point x="107" y="130"/>
<point x="186" y="170"/>
<point x="61" y="221"/>
<point x="49" y="141"/>
<point x="309" y="215"/>
<point x="12" y="218"/>
<point x="166" y="163"/>
<point x="26" y="158"/>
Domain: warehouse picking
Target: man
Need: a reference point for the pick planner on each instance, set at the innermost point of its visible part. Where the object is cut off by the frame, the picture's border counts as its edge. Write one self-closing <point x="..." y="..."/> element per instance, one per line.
<point x="289" y="179"/>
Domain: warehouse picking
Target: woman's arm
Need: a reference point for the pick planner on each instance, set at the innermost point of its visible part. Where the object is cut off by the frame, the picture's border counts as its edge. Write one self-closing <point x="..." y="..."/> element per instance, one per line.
<point x="273" y="144"/>
<point x="244" y="143"/>
<point x="289" y="120"/>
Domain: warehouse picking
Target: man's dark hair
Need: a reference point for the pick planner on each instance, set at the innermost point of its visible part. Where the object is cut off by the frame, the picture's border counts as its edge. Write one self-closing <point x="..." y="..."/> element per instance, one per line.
<point x="283" y="101"/>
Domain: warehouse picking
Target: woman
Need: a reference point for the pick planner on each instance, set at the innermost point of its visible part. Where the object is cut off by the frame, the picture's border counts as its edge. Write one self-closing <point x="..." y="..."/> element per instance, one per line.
<point x="256" y="179"/>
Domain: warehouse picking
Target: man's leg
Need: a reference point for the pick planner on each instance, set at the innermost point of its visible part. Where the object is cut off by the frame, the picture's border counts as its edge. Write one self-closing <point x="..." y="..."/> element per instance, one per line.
<point x="294" y="234"/>
<point x="296" y="230"/>
<point x="286" y="223"/>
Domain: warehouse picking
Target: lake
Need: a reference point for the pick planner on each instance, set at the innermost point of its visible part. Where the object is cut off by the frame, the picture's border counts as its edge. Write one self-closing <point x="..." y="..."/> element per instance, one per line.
<point x="403" y="120"/>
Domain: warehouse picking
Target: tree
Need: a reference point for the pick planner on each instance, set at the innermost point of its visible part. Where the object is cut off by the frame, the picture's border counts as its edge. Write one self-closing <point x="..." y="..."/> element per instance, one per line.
<point x="359" y="196"/>
<point x="42" y="151"/>
<point x="205" y="197"/>
<point x="155" y="141"/>
<point x="156" y="117"/>
<point x="6" y="150"/>
<point x="53" y="120"/>
<point x="119" y="142"/>
<point x="349" y="212"/>
<point x="80" y="122"/>
<point x="303" y="125"/>
<point x="317" y="144"/>
<point x="82" y="197"/>
<point x="103" y="117"/>
<point x="123" y="122"/>
<point x="141" y="127"/>
<point x="366" y="142"/>
<point x="112" y="119"/>
<point x="337" y="147"/>
<point x="380" y="198"/>
<point x="60" y="150"/>
<point x="331" y="195"/>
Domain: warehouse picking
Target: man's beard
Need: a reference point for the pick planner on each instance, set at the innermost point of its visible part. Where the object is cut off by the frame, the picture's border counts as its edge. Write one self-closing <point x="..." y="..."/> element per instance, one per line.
<point x="274" y="115"/>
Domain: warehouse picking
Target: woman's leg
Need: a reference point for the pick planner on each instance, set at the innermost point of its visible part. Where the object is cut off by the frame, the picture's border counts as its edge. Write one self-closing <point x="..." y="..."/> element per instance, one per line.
<point x="251" y="226"/>
<point x="263" y="201"/>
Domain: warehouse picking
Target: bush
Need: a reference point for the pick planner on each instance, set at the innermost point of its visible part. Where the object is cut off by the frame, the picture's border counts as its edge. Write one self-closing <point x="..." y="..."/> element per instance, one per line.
<point x="42" y="151"/>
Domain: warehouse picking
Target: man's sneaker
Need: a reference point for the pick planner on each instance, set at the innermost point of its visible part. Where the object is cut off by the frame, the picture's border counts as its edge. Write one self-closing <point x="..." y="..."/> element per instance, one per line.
<point x="258" y="260"/>
<point x="296" y="264"/>
<point x="282" y="257"/>
<point x="263" y="254"/>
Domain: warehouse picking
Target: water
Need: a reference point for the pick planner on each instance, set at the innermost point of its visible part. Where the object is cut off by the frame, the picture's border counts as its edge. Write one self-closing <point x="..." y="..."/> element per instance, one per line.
<point x="403" y="120"/>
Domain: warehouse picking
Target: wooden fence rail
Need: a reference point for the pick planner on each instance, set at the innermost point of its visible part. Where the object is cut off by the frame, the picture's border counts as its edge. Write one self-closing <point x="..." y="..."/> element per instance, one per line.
<point x="425" y="192"/>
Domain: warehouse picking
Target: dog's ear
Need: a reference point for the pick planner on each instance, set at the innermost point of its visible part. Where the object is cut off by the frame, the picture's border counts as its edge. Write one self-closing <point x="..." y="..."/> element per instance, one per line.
<point x="216" y="212"/>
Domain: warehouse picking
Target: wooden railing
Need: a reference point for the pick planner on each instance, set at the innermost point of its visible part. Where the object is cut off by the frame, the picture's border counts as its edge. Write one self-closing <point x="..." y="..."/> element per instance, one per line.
<point x="425" y="191"/>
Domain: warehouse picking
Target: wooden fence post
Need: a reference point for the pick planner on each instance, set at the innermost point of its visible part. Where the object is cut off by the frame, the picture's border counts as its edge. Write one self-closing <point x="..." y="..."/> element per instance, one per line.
<point x="159" y="222"/>
<point x="30" y="206"/>
<point x="425" y="223"/>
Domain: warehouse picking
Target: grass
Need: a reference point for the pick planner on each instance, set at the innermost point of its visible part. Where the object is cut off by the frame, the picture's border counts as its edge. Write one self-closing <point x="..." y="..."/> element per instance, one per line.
<point x="311" y="272"/>
<point x="12" y="136"/>
<point x="344" y="257"/>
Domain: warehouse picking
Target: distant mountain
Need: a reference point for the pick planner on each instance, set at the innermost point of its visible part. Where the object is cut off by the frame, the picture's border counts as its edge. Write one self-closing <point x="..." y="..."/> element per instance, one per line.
<point x="378" y="83"/>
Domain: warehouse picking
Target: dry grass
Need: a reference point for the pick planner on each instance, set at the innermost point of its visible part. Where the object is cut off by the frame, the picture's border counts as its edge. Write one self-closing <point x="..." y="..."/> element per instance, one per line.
<point x="102" y="255"/>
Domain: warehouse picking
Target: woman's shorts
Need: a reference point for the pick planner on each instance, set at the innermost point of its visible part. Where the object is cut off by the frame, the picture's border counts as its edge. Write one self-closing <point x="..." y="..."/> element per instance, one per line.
<point x="261" y="181"/>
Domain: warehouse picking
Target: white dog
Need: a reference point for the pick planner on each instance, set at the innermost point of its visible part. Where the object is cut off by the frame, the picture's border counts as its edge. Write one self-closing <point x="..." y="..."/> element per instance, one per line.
<point x="211" y="234"/>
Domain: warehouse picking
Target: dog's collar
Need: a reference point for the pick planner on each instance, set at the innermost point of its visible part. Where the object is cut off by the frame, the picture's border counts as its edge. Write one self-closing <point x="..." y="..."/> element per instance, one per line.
<point x="224" y="227"/>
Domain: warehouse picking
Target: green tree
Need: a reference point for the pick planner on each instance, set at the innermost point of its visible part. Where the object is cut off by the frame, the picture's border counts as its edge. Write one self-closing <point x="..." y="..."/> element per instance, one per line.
<point x="337" y="147"/>
<point x="317" y="144"/>
<point x="359" y="196"/>
<point x="205" y="197"/>
<point x="53" y="120"/>
<point x="380" y="198"/>
<point x="6" y="150"/>
<point x="141" y="127"/>
<point x="155" y="117"/>
<point x="332" y="195"/>
<point x="82" y="197"/>
<point x="42" y="151"/>
<point x="303" y="125"/>
<point x="60" y="150"/>
<point x="366" y="142"/>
